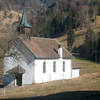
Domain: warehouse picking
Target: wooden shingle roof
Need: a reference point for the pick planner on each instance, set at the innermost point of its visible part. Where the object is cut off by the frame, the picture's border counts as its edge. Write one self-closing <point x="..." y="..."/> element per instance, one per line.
<point x="44" y="48"/>
<point x="40" y="48"/>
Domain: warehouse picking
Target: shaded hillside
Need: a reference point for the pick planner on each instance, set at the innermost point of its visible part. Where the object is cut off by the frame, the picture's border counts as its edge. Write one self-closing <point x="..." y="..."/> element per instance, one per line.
<point x="55" y="19"/>
<point x="29" y="4"/>
<point x="48" y="2"/>
<point x="17" y="5"/>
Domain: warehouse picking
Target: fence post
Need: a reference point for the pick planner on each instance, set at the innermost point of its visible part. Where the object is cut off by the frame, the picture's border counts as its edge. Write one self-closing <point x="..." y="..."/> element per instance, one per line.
<point x="4" y="92"/>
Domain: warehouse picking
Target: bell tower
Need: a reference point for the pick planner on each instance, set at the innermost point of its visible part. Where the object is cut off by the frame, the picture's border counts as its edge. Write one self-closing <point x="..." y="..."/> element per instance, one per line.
<point x="24" y="27"/>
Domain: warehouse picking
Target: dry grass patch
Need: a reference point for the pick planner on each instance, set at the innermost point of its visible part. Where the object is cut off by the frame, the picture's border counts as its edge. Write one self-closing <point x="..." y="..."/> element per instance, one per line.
<point x="87" y="66"/>
<point x="88" y="82"/>
<point x="96" y="25"/>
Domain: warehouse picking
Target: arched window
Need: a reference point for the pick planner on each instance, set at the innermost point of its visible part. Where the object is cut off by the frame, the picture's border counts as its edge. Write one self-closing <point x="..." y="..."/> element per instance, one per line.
<point x="44" y="67"/>
<point x="63" y="66"/>
<point x="54" y="66"/>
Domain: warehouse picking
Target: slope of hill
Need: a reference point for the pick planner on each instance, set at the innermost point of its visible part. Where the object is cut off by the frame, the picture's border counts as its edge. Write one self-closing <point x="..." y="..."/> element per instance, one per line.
<point x="20" y="4"/>
<point x="84" y="88"/>
<point x="48" y="2"/>
<point x="80" y="34"/>
<point x="8" y="19"/>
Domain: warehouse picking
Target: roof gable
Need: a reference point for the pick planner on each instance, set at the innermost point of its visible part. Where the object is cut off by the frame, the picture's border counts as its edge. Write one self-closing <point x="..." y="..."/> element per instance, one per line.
<point x="24" y="50"/>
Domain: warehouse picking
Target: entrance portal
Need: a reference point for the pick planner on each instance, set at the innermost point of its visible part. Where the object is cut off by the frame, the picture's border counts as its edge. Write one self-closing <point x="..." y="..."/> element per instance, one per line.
<point x="18" y="73"/>
<point x="18" y="79"/>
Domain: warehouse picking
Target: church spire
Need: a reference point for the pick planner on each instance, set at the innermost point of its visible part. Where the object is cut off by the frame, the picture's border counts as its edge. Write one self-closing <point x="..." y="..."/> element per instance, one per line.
<point x="24" y="26"/>
<point x="23" y="22"/>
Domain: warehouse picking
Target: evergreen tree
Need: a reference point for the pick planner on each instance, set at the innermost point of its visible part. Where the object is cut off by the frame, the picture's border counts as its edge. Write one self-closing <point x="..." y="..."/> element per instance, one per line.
<point x="91" y="12"/>
<point x="90" y="48"/>
<point x="70" y="38"/>
<point x="98" y="48"/>
<point x="94" y="3"/>
<point x="70" y="21"/>
<point x="1" y="7"/>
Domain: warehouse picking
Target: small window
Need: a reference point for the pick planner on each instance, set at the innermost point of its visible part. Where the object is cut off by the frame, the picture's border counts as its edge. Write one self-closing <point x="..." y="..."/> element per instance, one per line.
<point x="63" y="66"/>
<point x="44" y="67"/>
<point x="54" y="66"/>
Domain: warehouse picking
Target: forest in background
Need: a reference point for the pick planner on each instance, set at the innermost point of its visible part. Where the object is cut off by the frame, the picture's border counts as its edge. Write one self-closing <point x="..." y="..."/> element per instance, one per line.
<point x="66" y="17"/>
<point x="62" y="17"/>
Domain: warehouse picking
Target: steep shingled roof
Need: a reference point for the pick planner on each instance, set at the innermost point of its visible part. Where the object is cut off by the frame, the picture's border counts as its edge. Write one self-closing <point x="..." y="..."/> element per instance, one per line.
<point x="44" y="48"/>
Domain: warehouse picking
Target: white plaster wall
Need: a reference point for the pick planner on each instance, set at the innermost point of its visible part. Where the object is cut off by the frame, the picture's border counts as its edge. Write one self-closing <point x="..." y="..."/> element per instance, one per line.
<point x="28" y="77"/>
<point x="11" y="62"/>
<point x="75" y="73"/>
<point x="41" y="77"/>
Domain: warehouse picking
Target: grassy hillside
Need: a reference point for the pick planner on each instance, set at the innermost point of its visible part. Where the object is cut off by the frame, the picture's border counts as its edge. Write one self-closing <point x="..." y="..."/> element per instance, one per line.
<point x="8" y="20"/>
<point x="87" y="67"/>
<point x="80" y="34"/>
<point x="96" y="26"/>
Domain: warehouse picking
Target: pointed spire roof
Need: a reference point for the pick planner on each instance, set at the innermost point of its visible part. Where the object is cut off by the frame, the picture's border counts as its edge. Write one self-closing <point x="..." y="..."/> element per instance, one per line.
<point x="23" y="22"/>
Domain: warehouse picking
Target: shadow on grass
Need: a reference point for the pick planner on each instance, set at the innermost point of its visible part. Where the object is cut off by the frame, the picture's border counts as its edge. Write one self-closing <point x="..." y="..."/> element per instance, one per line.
<point x="77" y="95"/>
